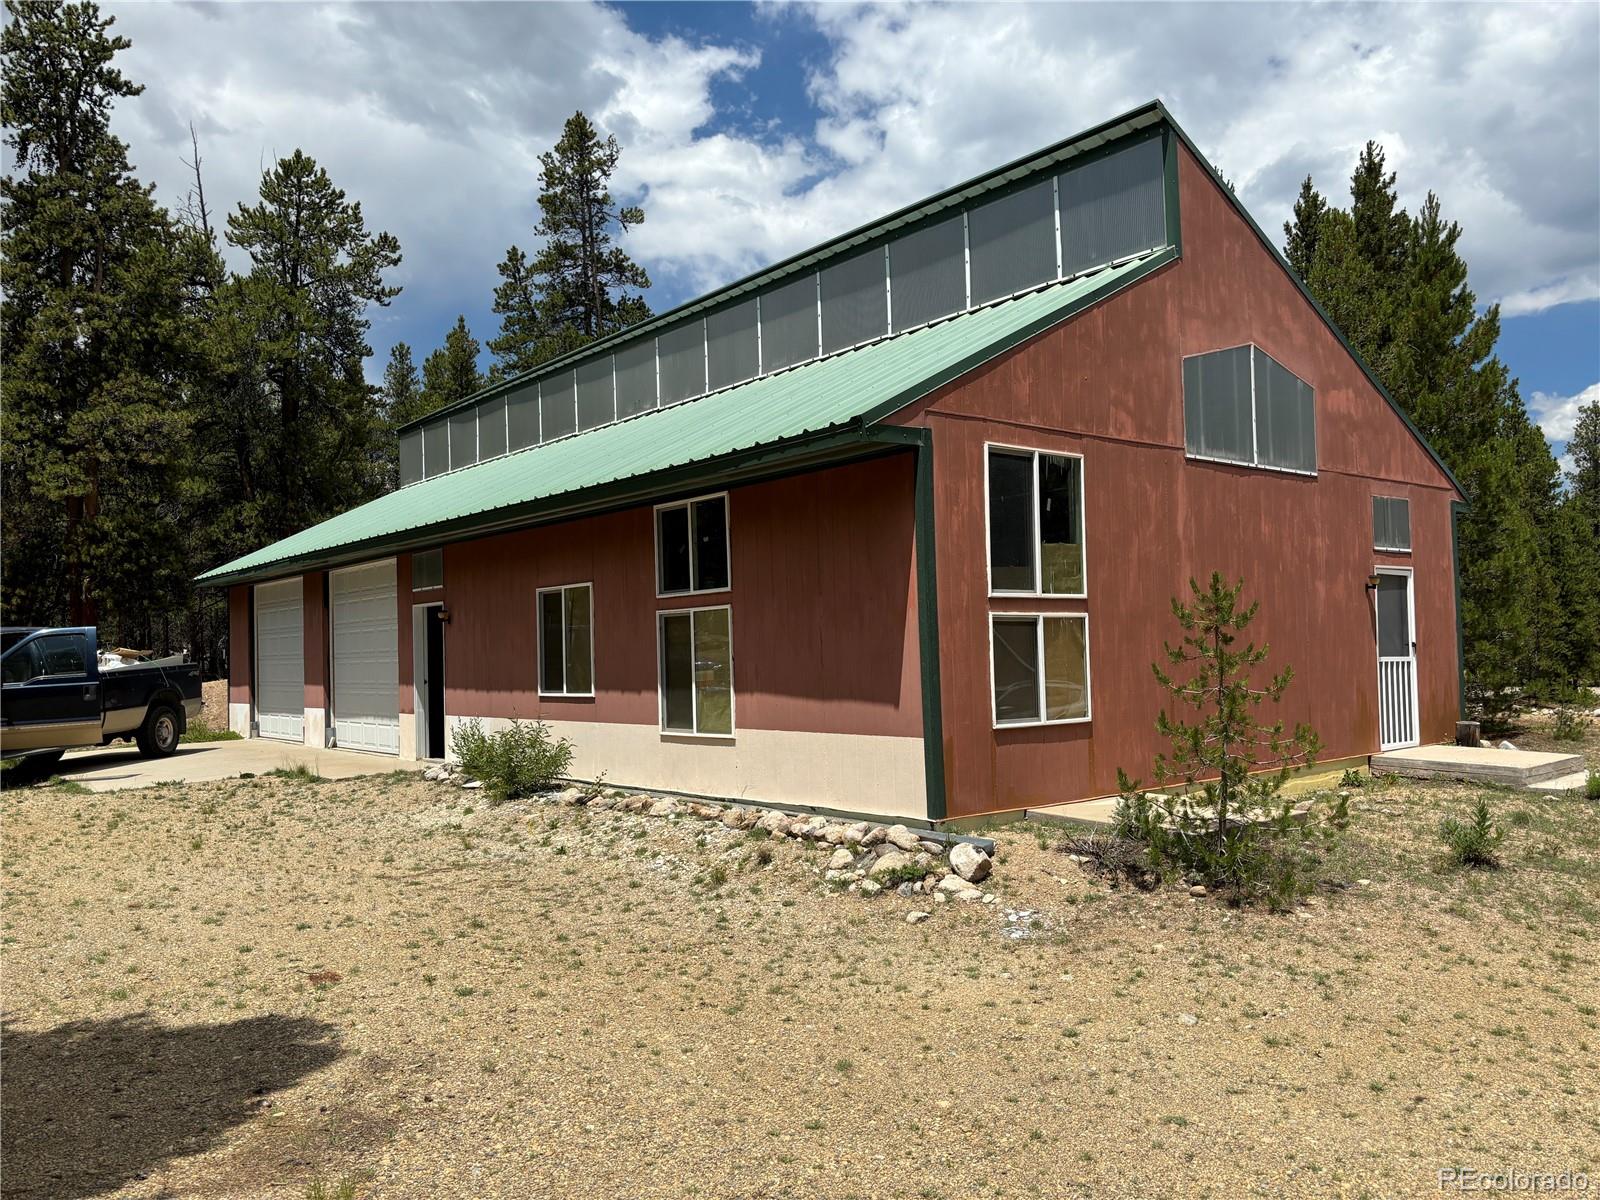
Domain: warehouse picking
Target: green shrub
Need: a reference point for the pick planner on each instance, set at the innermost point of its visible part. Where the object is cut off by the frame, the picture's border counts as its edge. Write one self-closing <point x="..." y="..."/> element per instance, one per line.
<point x="1352" y="778"/>
<point x="1570" y="725"/>
<point x="1591" y="785"/>
<point x="1472" y="843"/>
<point x="518" y="761"/>
<point x="198" y="731"/>
<point x="1229" y="826"/>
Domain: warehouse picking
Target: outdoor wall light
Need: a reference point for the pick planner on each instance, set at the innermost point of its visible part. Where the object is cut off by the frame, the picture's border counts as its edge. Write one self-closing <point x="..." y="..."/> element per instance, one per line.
<point x="1372" y="582"/>
<point x="444" y="613"/>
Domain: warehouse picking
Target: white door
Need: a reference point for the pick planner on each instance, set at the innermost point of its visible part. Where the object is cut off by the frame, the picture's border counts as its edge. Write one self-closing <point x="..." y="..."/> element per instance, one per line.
<point x="1397" y="661"/>
<point x="280" y="661"/>
<point x="366" y="658"/>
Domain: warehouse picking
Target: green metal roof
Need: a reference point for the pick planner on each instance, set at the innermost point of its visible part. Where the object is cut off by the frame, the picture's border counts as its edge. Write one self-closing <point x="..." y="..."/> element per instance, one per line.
<point x="791" y="409"/>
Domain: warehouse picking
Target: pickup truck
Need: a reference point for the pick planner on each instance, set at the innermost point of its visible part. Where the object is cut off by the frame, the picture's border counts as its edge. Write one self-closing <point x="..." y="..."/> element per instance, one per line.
<point x="55" y="695"/>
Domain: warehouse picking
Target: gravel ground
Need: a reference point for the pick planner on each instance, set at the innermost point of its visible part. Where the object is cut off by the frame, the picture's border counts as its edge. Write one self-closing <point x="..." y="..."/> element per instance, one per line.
<point x="267" y="987"/>
<point x="214" y="696"/>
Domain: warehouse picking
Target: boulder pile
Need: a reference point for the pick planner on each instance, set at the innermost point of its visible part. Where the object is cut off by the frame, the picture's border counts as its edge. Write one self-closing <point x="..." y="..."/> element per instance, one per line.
<point x="868" y="858"/>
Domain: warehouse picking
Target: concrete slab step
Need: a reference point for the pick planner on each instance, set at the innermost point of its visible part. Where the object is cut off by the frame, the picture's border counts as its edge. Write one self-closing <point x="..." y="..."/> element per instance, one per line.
<point x="1577" y="781"/>
<point x="1511" y="768"/>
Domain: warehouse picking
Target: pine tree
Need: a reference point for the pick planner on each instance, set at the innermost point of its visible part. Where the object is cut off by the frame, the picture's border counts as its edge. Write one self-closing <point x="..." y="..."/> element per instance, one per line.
<point x="450" y="373"/>
<point x="99" y="328"/>
<point x="401" y="389"/>
<point x="1584" y="447"/>
<point x="577" y="287"/>
<point x="1397" y="288"/>
<point x="1300" y="236"/>
<point x="316" y="440"/>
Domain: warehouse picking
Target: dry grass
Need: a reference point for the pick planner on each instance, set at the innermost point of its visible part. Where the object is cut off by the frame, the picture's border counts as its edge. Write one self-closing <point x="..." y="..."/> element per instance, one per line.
<point x="373" y="988"/>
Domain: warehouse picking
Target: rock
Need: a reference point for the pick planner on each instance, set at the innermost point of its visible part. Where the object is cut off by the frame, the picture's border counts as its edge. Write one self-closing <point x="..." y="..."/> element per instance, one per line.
<point x="933" y="848"/>
<point x="603" y="802"/>
<point x="923" y="860"/>
<point x="706" y="812"/>
<point x="663" y="808"/>
<point x="1189" y="1018"/>
<point x="836" y="835"/>
<point x="906" y="889"/>
<point x="1482" y="745"/>
<point x="472" y="784"/>
<point x="970" y="863"/>
<point x="917" y="917"/>
<point x="1363" y="883"/>
<point x="989" y="897"/>
<point x="1507" y="746"/>
<point x="953" y="886"/>
<point x="811" y="829"/>
<point x="842" y="860"/>
<point x="733" y="818"/>
<point x="870" y="887"/>
<point x="892" y="861"/>
<point x="940" y="898"/>
<point x="874" y="836"/>
<point x="901" y="838"/>
<point x="433" y="774"/>
<point x="775" y="823"/>
<point x="1198" y="889"/>
<point x="836" y="876"/>
<point x="569" y="795"/>
<point x="857" y="833"/>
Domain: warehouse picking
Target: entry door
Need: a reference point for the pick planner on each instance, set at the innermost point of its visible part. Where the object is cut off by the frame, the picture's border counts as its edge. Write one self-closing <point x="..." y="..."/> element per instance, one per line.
<point x="1397" y="661"/>
<point x="427" y="673"/>
<point x="366" y="658"/>
<point x="280" y="661"/>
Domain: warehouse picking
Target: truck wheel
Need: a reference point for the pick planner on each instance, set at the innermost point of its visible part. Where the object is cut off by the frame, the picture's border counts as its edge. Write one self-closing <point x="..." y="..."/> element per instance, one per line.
<point x="158" y="736"/>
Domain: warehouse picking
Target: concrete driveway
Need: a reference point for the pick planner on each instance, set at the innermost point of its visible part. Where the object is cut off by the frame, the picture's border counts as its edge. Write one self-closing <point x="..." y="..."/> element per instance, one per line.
<point x="115" y="768"/>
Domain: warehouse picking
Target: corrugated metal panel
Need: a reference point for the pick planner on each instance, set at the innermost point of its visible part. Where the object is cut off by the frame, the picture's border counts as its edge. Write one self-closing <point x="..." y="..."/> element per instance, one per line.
<point x="823" y="395"/>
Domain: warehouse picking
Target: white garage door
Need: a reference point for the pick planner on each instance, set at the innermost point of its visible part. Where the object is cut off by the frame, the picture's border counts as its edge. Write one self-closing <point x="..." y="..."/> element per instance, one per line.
<point x="366" y="659"/>
<point x="280" y="661"/>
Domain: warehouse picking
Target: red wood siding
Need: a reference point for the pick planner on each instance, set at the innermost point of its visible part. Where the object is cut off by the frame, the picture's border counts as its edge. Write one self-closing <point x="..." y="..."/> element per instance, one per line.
<point x="1108" y="385"/>
<point x="823" y="599"/>
<point x="314" y="644"/>
<point x="241" y="651"/>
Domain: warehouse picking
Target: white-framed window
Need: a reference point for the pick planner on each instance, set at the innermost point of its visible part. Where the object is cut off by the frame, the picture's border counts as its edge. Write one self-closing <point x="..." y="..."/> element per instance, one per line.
<point x="427" y="570"/>
<point x="1391" y="524"/>
<point x="1039" y="668"/>
<point x="1242" y="406"/>
<point x="1033" y="505"/>
<point x="695" y="657"/>
<point x="692" y="555"/>
<point x="566" y="640"/>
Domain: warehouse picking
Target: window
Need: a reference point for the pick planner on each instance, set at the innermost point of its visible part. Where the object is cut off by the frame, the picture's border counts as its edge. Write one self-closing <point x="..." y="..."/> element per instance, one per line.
<point x="681" y="351"/>
<point x="855" y="304"/>
<point x="732" y="352"/>
<point x="1241" y="405"/>
<point x="522" y="417"/>
<point x="427" y="570"/>
<point x="1035" y="523"/>
<point x="1112" y="207"/>
<point x="692" y="546"/>
<point x="566" y="641"/>
<point x="492" y="428"/>
<point x="22" y="664"/>
<point x="636" y="378"/>
<point x="463" y="438"/>
<point x="928" y="274"/>
<point x="435" y="448"/>
<point x="1013" y="242"/>
<point x="1040" y="668"/>
<point x="1391" y="523"/>
<point x="62" y="654"/>
<point x="558" y="413"/>
<point x="697" y="671"/>
<point x="410" y="457"/>
<point x="596" y="402"/>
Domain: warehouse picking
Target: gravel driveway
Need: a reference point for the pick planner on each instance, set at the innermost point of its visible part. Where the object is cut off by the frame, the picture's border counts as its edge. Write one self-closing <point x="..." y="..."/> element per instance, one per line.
<point x="263" y="987"/>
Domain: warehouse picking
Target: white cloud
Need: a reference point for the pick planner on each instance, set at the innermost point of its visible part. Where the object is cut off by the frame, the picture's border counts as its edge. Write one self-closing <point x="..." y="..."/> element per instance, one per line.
<point x="433" y="116"/>
<point x="1558" y="415"/>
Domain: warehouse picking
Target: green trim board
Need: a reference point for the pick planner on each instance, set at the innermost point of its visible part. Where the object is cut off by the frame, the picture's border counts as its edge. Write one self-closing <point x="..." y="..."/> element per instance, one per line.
<point x="765" y="424"/>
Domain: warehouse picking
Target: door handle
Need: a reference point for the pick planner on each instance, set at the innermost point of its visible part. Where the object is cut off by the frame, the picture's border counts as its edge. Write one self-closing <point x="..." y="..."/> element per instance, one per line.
<point x="88" y="693"/>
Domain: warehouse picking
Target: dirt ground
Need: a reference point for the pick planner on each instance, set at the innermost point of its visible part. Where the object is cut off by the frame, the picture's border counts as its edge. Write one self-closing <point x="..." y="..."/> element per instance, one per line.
<point x="271" y="987"/>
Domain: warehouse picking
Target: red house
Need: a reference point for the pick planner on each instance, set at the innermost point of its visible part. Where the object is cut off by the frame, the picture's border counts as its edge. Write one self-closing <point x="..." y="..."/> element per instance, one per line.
<point x="892" y="526"/>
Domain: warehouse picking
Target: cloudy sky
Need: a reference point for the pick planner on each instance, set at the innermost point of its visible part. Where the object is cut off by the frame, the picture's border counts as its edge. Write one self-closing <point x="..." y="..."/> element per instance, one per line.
<point x="749" y="133"/>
